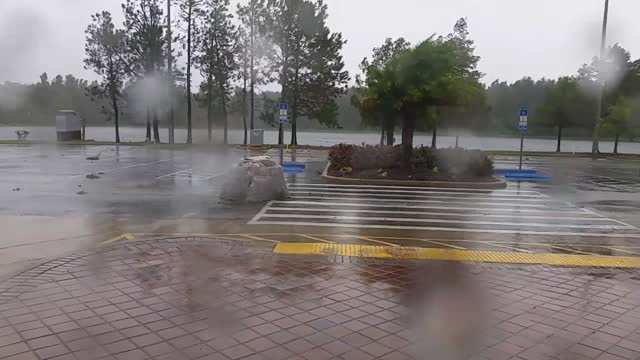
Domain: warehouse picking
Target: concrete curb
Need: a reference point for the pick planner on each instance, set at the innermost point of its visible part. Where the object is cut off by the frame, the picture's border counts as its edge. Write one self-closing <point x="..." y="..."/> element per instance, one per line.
<point x="490" y="185"/>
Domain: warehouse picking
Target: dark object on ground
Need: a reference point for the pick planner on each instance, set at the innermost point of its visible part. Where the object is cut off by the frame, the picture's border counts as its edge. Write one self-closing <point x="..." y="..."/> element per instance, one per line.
<point x="92" y="176"/>
<point x="22" y="134"/>
<point x="81" y="193"/>
<point x="17" y="189"/>
<point x="94" y="157"/>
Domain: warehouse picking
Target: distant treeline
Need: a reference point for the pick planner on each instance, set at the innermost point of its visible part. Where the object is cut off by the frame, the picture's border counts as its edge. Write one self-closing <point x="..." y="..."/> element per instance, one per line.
<point x="36" y="104"/>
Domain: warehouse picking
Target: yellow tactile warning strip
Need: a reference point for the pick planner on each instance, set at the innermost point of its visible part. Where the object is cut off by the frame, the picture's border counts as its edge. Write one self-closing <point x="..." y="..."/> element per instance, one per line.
<point x="457" y="255"/>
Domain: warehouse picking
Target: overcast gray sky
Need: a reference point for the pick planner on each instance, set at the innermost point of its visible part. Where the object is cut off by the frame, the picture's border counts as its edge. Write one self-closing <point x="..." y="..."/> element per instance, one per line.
<point x="541" y="38"/>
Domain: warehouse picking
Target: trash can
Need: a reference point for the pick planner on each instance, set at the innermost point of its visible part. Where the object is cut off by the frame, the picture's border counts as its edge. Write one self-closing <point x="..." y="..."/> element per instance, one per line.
<point x="68" y="125"/>
<point x="257" y="137"/>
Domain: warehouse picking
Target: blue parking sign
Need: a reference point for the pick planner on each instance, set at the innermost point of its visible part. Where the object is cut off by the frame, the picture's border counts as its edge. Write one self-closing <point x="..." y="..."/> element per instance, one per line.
<point x="284" y="106"/>
<point x="524" y="112"/>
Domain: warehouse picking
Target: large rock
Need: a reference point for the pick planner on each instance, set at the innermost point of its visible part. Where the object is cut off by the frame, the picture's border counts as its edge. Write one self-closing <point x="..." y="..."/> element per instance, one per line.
<point x="254" y="179"/>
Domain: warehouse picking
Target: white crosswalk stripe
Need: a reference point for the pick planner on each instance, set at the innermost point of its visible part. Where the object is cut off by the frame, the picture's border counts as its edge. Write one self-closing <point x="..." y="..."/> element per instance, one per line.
<point x="437" y="209"/>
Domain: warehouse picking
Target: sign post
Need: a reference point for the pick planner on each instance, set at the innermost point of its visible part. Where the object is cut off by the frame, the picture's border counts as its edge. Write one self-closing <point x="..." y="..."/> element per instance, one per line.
<point x="523" y="125"/>
<point x="284" y="119"/>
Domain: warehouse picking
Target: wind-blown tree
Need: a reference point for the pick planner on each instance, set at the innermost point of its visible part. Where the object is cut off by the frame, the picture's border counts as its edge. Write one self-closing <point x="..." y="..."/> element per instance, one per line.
<point x="618" y="121"/>
<point x="106" y="54"/>
<point x="189" y="11"/>
<point x="506" y="100"/>
<point x="469" y="91"/>
<point x="609" y="75"/>
<point x="378" y="111"/>
<point x="144" y="25"/>
<point x="563" y="106"/>
<point x="306" y="56"/>
<point x="216" y="56"/>
<point x="438" y="72"/>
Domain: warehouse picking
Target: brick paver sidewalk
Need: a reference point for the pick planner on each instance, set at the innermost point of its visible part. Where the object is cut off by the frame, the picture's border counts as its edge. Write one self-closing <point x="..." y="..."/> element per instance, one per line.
<point x="209" y="299"/>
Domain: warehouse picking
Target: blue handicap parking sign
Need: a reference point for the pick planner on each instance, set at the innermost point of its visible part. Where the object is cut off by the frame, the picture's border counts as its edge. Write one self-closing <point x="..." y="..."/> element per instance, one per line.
<point x="524" y="112"/>
<point x="284" y="106"/>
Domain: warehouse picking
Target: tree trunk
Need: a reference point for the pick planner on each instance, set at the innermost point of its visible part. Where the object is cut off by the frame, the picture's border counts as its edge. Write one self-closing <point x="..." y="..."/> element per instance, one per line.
<point x="615" y="146"/>
<point x="389" y="132"/>
<point x="294" y="117"/>
<point x="156" y="128"/>
<point x="559" y="138"/>
<point x="189" y="111"/>
<point x="223" y="112"/>
<point x="209" y="108"/>
<point x="148" y="138"/>
<point x="382" y="137"/>
<point x="294" y="122"/>
<point x="116" y="113"/>
<point x="244" y="108"/>
<point x="408" y="127"/>
<point x="434" y="136"/>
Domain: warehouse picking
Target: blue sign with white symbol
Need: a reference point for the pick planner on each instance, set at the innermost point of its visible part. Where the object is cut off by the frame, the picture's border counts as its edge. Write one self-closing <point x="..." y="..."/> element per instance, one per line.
<point x="523" y="126"/>
<point x="524" y="112"/>
<point x="284" y="106"/>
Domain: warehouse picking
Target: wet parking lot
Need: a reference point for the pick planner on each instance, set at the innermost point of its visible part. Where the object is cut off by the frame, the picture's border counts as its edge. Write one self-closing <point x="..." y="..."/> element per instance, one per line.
<point x="56" y="199"/>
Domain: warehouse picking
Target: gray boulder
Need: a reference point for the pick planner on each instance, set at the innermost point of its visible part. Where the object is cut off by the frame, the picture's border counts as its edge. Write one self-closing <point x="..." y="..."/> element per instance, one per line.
<point x="254" y="179"/>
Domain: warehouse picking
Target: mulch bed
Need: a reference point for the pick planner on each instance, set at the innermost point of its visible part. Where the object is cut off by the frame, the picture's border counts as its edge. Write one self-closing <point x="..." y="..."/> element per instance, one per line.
<point x="406" y="174"/>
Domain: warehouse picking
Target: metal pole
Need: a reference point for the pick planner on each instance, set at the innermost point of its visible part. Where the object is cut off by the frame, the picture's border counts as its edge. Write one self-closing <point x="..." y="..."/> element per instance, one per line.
<point x="172" y="124"/>
<point x="603" y="42"/>
<point x="281" y="141"/>
<point x="521" y="148"/>
<point x="253" y="71"/>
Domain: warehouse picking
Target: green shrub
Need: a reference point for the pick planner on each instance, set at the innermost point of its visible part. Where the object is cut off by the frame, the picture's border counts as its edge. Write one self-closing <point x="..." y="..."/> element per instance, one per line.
<point x="376" y="157"/>
<point x="340" y="155"/>
<point x="451" y="161"/>
<point x="460" y="162"/>
<point x="424" y="158"/>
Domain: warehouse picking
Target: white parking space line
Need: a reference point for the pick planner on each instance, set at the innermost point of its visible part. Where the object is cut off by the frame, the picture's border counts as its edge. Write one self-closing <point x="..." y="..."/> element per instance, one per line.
<point x="433" y="209"/>
<point x="510" y="206"/>
<point x="374" y="190"/>
<point x="291" y="185"/>
<point x="428" y="228"/>
<point x="435" y="196"/>
<point x="466" y="214"/>
<point x="447" y="221"/>
<point x="173" y="174"/>
<point x="404" y="206"/>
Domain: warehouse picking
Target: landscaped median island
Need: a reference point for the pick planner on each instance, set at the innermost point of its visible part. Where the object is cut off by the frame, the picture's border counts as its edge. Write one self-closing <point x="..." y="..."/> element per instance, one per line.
<point x="454" y="167"/>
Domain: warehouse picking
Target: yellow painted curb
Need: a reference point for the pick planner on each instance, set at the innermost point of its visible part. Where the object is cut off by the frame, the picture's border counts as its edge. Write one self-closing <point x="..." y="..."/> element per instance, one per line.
<point x="388" y="252"/>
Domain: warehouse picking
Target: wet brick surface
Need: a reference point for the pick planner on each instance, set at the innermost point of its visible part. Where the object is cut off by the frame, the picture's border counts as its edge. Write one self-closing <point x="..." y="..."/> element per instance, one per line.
<point x="208" y="299"/>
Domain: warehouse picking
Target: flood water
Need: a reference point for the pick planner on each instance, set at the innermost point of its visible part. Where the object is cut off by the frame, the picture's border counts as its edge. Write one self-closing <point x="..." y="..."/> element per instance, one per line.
<point x="326" y="138"/>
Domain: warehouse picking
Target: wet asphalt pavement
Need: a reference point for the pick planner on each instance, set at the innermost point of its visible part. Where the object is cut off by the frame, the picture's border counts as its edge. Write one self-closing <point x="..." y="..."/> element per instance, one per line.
<point x="50" y="207"/>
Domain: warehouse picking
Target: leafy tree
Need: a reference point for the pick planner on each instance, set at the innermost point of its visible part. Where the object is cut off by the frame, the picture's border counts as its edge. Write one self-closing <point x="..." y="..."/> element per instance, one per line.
<point x="270" y="111"/>
<point x="618" y="120"/>
<point x="306" y="56"/>
<point x="562" y="107"/>
<point x="106" y="54"/>
<point x="378" y="111"/>
<point x="608" y="74"/>
<point x="438" y="72"/>
<point x="189" y="11"/>
<point x="143" y="21"/>
<point x="505" y="101"/>
<point x="216" y="56"/>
